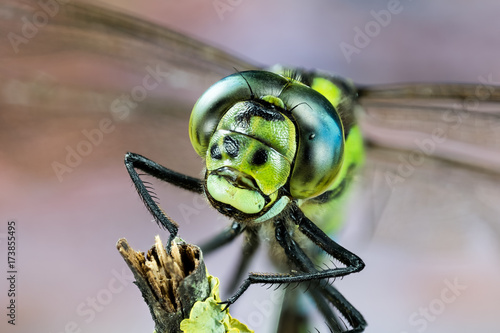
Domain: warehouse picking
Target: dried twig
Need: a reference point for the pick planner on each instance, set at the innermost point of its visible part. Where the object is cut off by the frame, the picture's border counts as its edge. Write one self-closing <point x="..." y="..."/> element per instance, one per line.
<point x="170" y="284"/>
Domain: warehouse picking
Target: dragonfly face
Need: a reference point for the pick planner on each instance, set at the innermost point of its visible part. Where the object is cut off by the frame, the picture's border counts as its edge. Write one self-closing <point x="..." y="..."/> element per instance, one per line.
<point x="265" y="136"/>
<point x="247" y="163"/>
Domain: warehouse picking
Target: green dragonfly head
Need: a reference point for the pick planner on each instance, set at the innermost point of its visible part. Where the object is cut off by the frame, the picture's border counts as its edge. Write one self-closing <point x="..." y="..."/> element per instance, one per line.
<point x="250" y="156"/>
<point x="265" y="136"/>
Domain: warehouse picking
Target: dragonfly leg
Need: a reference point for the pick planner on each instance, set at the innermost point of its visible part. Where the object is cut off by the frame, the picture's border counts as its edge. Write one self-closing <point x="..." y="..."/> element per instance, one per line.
<point x="322" y="240"/>
<point x="308" y="271"/>
<point x="328" y="292"/>
<point x="136" y="161"/>
<point x="331" y="318"/>
<point x="226" y="236"/>
<point x="349" y="312"/>
<point x="294" y="318"/>
<point x="250" y="246"/>
<point x="304" y="263"/>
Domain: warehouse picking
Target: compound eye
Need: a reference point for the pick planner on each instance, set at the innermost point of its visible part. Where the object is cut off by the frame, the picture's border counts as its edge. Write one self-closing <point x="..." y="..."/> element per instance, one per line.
<point x="320" y="150"/>
<point x="260" y="157"/>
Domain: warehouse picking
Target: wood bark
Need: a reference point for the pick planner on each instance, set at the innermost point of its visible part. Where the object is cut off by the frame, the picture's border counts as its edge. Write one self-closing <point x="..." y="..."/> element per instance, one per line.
<point x="170" y="283"/>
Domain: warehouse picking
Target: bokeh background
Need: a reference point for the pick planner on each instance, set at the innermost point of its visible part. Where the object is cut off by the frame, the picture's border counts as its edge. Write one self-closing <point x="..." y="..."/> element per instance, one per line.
<point x="70" y="276"/>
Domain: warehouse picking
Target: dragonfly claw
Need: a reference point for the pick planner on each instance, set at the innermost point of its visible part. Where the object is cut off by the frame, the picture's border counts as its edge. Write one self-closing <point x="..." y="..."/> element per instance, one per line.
<point x="227" y="304"/>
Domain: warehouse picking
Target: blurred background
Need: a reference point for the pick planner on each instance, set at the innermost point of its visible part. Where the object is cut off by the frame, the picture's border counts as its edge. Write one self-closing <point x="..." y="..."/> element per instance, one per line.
<point x="71" y="106"/>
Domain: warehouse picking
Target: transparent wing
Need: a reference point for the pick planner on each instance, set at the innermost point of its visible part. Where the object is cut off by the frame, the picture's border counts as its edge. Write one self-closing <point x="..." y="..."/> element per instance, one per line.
<point x="449" y="133"/>
<point x="109" y="42"/>
<point x="463" y="120"/>
<point x="89" y="61"/>
<point x="430" y="194"/>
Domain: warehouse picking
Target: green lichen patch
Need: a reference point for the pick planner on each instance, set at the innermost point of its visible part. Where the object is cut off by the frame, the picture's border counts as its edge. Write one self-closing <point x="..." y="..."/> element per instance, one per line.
<point x="207" y="316"/>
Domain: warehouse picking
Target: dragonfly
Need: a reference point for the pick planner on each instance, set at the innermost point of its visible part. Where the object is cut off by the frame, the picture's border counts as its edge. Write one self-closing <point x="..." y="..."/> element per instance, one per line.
<point x="430" y="148"/>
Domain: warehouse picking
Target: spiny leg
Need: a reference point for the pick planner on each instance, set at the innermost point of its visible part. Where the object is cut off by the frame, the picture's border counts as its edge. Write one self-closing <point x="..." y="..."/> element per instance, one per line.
<point x="352" y="262"/>
<point x="298" y="257"/>
<point x="133" y="161"/>
<point x="280" y="278"/>
<point x="322" y="240"/>
<point x="294" y="319"/>
<point x="331" y="318"/>
<point x="303" y="262"/>
<point x="349" y="312"/>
